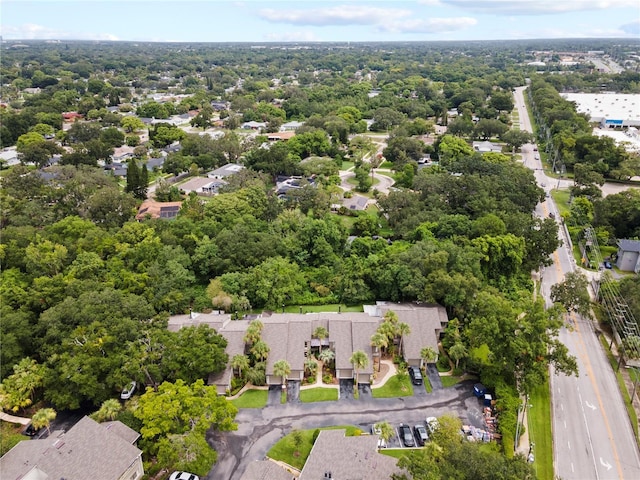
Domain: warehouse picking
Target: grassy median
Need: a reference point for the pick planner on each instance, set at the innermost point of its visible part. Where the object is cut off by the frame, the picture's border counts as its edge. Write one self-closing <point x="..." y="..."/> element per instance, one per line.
<point x="539" y="424"/>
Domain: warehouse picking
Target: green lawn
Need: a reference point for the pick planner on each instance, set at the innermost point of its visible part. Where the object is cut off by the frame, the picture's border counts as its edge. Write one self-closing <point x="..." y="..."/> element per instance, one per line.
<point x="9" y="436"/>
<point x="251" y="399"/>
<point x="285" y="451"/>
<point x="393" y="452"/>
<point x="394" y="387"/>
<point x="332" y="307"/>
<point x="539" y="424"/>
<point x="318" y="395"/>
<point x="450" y="380"/>
<point x="346" y="165"/>
<point x="561" y="197"/>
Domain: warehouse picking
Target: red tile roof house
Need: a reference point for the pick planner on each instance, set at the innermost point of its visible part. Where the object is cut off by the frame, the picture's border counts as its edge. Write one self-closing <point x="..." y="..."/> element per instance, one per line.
<point x="89" y="450"/>
<point x="289" y="337"/>
<point x="152" y="209"/>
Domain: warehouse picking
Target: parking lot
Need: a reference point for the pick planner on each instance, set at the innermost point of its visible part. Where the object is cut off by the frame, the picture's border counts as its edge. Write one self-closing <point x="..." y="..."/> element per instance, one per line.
<point x="259" y="429"/>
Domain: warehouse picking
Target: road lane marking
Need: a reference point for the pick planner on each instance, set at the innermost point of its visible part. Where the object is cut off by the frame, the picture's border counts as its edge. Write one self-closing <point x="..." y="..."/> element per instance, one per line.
<point x="569" y="444"/>
<point x="589" y="373"/>
<point x="592" y="407"/>
<point x="605" y="464"/>
<point x="565" y="423"/>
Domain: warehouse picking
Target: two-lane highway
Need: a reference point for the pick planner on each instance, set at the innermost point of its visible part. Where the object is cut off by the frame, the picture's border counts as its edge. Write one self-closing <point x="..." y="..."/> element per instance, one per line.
<point x="592" y="434"/>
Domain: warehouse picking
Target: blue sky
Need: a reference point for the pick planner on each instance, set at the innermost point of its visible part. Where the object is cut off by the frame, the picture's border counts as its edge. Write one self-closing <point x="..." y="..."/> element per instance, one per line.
<point x="327" y="20"/>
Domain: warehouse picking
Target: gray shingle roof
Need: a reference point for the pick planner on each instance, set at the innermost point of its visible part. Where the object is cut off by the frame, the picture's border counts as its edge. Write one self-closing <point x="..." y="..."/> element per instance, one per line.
<point x="276" y="336"/>
<point x="87" y="450"/>
<point x="266" y="470"/>
<point x="340" y="336"/>
<point x="299" y="333"/>
<point x="425" y="322"/>
<point x="629" y="245"/>
<point x="129" y="435"/>
<point x="347" y="458"/>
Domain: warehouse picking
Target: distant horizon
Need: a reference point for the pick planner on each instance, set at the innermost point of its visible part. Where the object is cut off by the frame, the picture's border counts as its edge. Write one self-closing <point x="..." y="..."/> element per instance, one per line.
<point x="336" y="42"/>
<point x="317" y="21"/>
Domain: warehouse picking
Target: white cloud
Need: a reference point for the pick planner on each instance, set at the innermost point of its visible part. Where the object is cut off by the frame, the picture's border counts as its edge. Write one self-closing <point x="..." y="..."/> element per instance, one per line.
<point x="562" y="33"/>
<point x="338" y="15"/>
<point x="292" y="37"/>
<point x="31" y="31"/>
<point x="537" y="7"/>
<point x="431" y="3"/>
<point x="632" y="28"/>
<point x="431" y="25"/>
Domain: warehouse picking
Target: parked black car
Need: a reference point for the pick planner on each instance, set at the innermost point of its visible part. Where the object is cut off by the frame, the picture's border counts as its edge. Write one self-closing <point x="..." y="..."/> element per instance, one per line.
<point x="421" y="434"/>
<point x="406" y="435"/>
<point x="416" y="375"/>
<point x="31" y="431"/>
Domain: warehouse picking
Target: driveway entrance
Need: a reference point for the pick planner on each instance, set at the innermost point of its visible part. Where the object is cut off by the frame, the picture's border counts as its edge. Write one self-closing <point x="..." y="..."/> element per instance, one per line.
<point x="364" y="390"/>
<point x="274" y="395"/>
<point x="293" y="391"/>
<point x="346" y="389"/>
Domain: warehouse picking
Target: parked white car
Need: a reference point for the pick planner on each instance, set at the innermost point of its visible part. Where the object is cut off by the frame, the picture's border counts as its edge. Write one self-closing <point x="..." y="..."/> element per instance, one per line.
<point x="183" y="476"/>
<point x="128" y="391"/>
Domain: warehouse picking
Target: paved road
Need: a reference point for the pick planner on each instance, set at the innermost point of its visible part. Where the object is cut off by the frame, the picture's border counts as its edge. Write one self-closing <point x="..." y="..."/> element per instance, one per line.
<point x="592" y="434"/>
<point x="259" y="429"/>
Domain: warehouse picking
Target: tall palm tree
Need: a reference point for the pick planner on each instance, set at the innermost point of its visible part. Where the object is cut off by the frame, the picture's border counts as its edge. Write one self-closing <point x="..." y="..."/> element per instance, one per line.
<point x="253" y="333"/>
<point x="282" y="369"/>
<point x="311" y="365"/>
<point x="260" y="350"/>
<point x="379" y="340"/>
<point x="428" y="354"/>
<point x="458" y="351"/>
<point x="325" y="356"/>
<point x="402" y="329"/>
<point x="388" y="329"/>
<point x="239" y="362"/>
<point x="109" y="410"/>
<point x="391" y="317"/>
<point x="320" y="333"/>
<point x="43" y="418"/>
<point x="359" y="360"/>
<point x="386" y="430"/>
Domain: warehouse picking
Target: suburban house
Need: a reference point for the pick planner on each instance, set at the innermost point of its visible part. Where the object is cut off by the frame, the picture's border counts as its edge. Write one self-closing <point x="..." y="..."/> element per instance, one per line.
<point x="280" y="136"/>
<point x="72" y="116"/>
<point x="219" y="106"/>
<point x="225" y="171"/>
<point x="484" y="147"/>
<point x="153" y="209"/>
<point x="291" y="126"/>
<point x="289" y="337"/>
<point x="356" y="202"/>
<point x="253" y="125"/>
<point x="628" y="255"/>
<point x="337" y="456"/>
<point x="99" y="451"/>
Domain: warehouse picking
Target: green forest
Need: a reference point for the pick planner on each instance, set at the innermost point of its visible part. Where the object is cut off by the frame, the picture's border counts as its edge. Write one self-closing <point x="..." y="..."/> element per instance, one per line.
<point x="87" y="289"/>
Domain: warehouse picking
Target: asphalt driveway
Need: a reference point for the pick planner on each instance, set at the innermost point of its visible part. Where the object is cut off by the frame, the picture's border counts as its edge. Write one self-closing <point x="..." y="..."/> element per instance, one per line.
<point x="346" y="389"/>
<point x="259" y="429"/>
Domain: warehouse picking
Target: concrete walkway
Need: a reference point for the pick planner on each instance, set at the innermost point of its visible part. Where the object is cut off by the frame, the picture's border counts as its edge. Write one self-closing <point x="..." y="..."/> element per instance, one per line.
<point x="377" y="382"/>
<point x="13" y="419"/>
